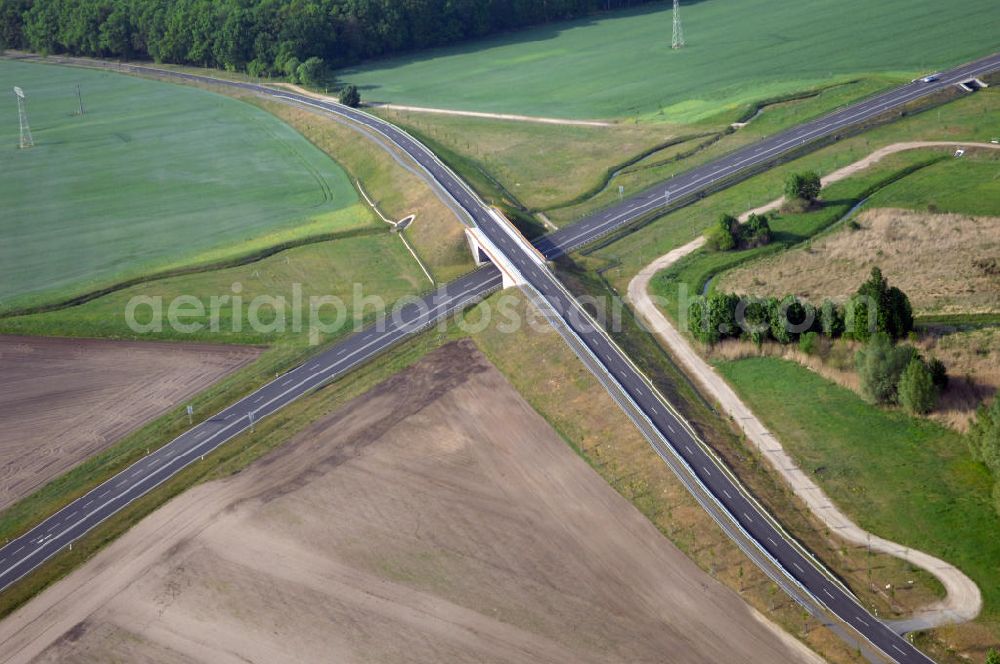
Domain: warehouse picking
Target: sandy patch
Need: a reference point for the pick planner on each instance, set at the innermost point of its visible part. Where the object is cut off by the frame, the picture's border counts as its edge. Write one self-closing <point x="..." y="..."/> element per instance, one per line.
<point x="63" y="400"/>
<point x="436" y="519"/>
<point x="945" y="263"/>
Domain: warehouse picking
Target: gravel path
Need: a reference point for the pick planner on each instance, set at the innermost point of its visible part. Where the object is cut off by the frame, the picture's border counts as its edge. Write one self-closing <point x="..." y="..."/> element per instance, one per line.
<point x="963" y="600"/>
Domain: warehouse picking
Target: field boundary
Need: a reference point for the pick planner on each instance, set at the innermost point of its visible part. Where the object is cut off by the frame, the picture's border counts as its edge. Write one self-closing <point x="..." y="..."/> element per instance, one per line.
<point x="237" y="261"/>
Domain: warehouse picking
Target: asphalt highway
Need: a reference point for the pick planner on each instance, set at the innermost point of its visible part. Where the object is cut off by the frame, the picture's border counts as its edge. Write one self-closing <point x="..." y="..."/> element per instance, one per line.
<point x="672" y="436"/>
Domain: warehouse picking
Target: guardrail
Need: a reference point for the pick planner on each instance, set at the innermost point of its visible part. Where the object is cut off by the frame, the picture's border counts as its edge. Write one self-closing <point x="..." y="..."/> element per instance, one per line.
<point x="632" y="409"/>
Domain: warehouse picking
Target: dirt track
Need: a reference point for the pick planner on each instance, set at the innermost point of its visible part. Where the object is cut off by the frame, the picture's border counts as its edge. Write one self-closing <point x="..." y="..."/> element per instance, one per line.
<point x="963" y="601"/>
<point x="436" y="519"/>
<point x="63" y="400"/>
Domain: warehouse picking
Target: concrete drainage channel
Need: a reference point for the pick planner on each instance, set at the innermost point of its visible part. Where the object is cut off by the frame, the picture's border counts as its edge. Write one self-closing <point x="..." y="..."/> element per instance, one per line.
<point x="398" y="227"/>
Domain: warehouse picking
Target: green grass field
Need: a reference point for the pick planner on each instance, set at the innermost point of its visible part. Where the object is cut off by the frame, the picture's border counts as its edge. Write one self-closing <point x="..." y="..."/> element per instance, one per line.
<point x="966" y="186"/>
<point x="378" y="264"/>
<point x="153" y="176"/>
<point x="906" y="479"/>
<point x="621" y="64"/>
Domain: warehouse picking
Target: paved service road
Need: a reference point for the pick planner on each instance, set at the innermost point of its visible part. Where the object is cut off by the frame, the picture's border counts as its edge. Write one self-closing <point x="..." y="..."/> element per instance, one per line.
<point x="666" y="431"/>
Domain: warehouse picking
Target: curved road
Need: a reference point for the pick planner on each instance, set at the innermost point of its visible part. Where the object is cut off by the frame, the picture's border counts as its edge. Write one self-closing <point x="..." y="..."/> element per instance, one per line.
<point x="667" y="432"/>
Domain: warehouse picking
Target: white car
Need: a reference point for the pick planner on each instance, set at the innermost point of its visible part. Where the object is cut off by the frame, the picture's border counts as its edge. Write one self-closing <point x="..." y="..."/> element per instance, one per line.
<point x="930" y="78"/>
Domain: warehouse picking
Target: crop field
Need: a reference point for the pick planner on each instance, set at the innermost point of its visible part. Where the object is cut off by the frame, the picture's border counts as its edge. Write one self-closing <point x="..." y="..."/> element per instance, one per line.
<point x="515" y="570"/>
<point x="622" y="65"/>
<point x="152" y="176"/>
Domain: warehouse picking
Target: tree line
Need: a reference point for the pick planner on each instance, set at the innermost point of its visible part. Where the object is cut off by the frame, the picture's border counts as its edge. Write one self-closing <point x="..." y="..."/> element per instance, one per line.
<point x="263" y="37"/>
<point x="878" y="315"/>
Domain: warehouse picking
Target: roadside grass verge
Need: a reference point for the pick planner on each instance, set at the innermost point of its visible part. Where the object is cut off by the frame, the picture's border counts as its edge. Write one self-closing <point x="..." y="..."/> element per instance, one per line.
<point x="907" y="479"/>
<point x="963" y="119"/>
<point x="350" y="268"/>
<point x="969" y="185"/>
<point x="620" y="65"/>
<point x="436" y="234"/>
<point x="170" y="180"/>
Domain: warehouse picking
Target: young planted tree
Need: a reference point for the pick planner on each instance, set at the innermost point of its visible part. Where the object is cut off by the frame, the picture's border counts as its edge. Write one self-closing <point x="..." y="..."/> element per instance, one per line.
<point x="880" y="365"/>
<point x="831" y="318"/>
<point x="721" y="236"/>
<point x="878" y="308"/>
<point x="917" y="393"/>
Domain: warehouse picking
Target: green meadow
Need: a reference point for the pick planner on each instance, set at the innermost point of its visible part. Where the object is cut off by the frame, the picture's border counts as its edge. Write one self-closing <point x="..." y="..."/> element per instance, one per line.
<point x="153" y="176"/>
<point x="622" y="65"/>
<point x="905" y="478"/>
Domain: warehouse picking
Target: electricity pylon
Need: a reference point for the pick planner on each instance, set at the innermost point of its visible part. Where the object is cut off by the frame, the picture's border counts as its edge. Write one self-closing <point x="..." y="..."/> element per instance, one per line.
<point x="22" y="116"/>
<point x="678" y="40"/>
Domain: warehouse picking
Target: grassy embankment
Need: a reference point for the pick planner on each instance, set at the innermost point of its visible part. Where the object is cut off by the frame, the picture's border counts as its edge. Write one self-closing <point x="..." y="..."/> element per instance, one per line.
<point x="966" y="118"/>
<point x="908" y="480"/>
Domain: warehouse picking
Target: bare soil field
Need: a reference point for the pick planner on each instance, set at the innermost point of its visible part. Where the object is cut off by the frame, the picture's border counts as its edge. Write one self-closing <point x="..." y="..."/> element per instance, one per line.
<point x="437" y="518"/>
<point x="956" y="255"/>
<point x="63" y="400"/>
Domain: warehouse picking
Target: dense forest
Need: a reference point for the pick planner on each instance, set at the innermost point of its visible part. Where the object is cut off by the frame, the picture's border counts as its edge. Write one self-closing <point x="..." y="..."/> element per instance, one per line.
<point x="268" y="36"/>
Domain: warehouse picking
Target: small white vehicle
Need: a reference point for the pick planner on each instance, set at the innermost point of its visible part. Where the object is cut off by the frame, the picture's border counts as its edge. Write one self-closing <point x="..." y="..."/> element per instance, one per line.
<point x="930" y="78"/>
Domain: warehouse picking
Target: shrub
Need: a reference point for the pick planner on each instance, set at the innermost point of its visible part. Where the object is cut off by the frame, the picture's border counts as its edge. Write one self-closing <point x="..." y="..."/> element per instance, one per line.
<point x="756" y="232"/>
<point x="349" y="96"/>
<point x="723" y="235"/>
<point x="993" y="656"/>
<point x="722" y="315"/>
<point x="984" y="436"/>
<point x="880" y="365"/>
<point x="698" y="323"/>
<point x="291" y="69"/>
<point x="808" y="343"/>
<point x="917" y="393"/>
<point x="831" y="319"/>
<point x="803" y="186"/>
<point x="756" y="320"/>
<point x="939" y="374"/>
<point x="719" y="239"/>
